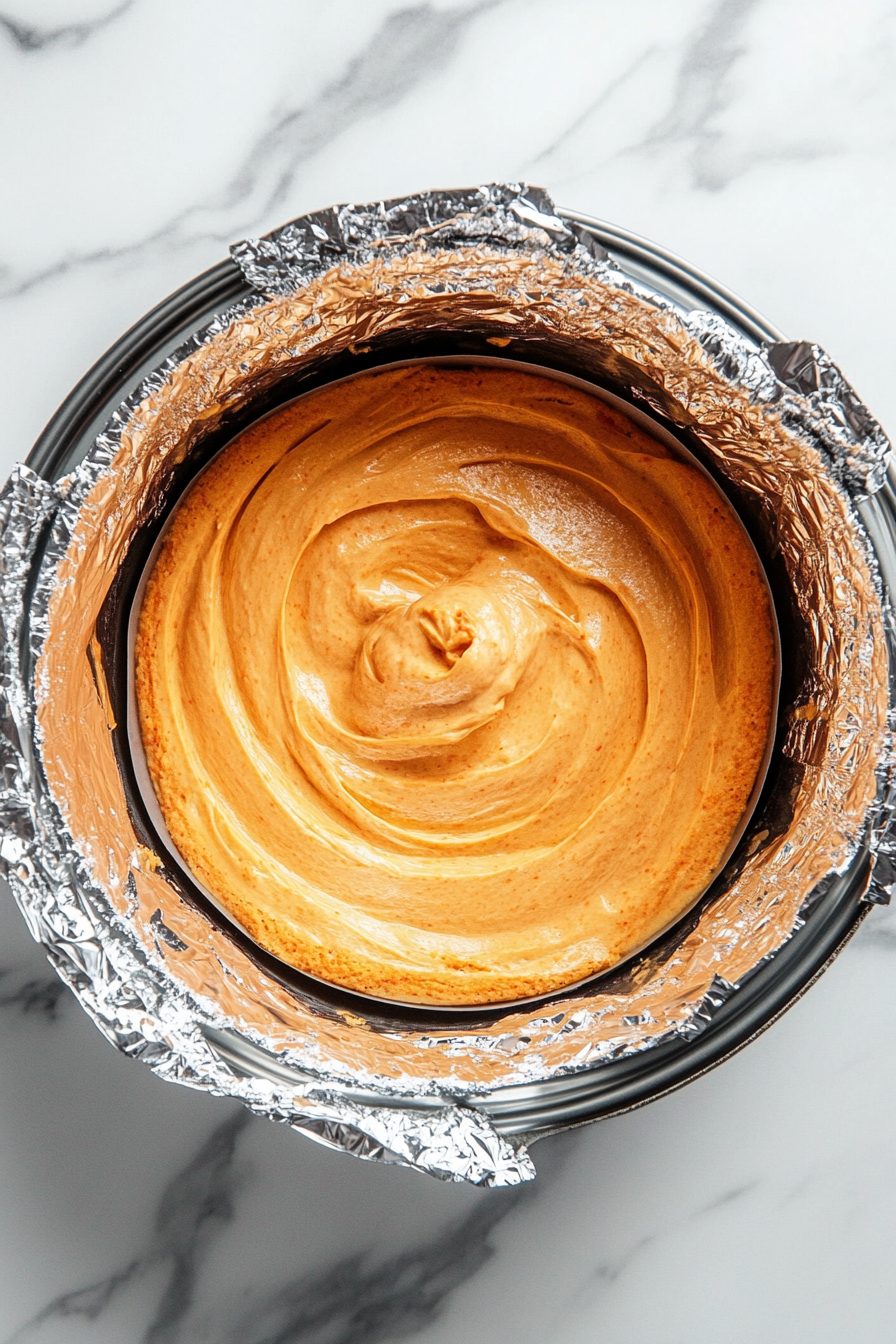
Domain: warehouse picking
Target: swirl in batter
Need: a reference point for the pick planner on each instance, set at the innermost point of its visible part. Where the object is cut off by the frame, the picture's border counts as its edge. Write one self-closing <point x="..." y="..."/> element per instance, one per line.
<point x="454" y="684"/>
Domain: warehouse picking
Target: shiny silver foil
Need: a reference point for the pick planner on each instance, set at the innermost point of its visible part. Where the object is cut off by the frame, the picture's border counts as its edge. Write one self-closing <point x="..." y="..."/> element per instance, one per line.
<point x="171" y="987"/>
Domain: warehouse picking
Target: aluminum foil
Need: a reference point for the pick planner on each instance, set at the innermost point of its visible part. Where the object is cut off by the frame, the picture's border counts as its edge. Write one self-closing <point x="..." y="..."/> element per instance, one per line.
<point x="171" y="987"/>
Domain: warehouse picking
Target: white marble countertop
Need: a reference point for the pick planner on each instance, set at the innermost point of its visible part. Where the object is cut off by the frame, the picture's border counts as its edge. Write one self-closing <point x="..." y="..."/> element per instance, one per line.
<point x="758" y="139"/>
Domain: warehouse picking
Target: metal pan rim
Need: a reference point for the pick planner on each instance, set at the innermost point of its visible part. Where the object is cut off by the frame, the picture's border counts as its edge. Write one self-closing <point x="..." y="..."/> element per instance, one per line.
<point x="774" y="986"/>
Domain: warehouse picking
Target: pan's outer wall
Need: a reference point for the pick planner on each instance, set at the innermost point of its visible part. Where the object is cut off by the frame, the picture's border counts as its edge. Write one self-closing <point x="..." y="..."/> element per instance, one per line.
<point x="613" y="1088"/>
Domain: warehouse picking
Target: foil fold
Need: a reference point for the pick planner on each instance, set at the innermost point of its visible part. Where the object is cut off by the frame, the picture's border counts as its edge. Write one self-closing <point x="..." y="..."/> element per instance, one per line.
<point x="159" y="978"/>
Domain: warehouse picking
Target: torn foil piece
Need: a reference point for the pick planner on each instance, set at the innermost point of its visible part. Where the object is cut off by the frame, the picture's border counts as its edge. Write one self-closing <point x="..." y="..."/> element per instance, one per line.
<point x="159" y="977"/>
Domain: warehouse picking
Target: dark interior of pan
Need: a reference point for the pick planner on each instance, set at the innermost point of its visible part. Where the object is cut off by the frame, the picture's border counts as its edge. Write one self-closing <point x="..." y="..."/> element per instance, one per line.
<point x="773" y="986"/>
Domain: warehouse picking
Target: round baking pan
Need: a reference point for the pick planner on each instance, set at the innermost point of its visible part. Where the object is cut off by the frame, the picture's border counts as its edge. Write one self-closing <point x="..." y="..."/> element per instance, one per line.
<point x="538" y="1109"/>
<point x="144" y="805"/>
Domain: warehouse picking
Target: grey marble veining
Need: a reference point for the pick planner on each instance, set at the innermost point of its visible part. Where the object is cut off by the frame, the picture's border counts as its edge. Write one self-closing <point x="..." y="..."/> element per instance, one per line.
<point x="31" y="994"/>
<point x="28" y="37"/>
<point x="138" y="139"/>
<point x="399" y="55"/>
<point x="357" y="1297"/>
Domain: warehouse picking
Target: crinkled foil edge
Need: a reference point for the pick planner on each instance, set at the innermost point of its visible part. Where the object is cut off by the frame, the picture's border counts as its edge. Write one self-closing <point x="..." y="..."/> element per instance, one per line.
<point x="92" y="920"/>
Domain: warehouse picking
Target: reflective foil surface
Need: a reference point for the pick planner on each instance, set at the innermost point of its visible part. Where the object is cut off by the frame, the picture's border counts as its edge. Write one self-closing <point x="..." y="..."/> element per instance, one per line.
<point x="168" y="984"/>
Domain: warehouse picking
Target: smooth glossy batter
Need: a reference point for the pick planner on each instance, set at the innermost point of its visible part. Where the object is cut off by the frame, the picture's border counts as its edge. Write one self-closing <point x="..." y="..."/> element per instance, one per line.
<point x="454" y="684"/>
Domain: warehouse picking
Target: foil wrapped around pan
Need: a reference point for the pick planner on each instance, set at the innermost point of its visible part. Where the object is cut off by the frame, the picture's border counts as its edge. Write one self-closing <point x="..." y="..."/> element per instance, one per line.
<point x="169" y="984"/>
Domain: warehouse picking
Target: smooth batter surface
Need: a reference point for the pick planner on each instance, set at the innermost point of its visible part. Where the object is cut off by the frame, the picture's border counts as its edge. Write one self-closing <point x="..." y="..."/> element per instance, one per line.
<point x="454" y="684"/>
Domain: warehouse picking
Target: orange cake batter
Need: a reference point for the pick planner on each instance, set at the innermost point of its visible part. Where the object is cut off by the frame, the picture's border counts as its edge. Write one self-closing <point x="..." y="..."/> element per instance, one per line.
<point x="454" y="684"/>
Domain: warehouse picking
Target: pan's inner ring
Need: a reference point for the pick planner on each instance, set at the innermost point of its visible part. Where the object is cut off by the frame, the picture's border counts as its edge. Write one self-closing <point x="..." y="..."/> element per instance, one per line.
<point x="122" y="616"/>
